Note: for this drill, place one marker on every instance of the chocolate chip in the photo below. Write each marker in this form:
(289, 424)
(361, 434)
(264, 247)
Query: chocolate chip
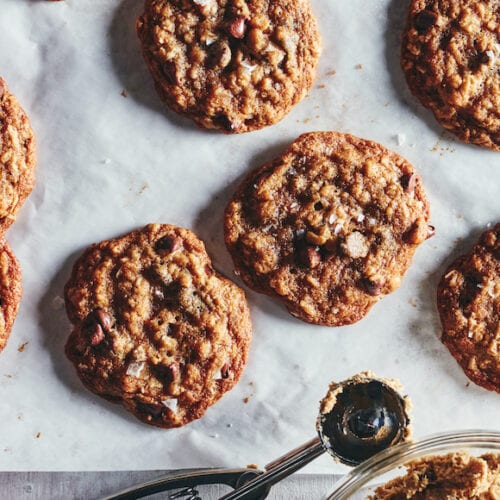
(93, 329)
(95, 334)
(372, 287)
(424, 20)
(167, 373)
(226, 123)
(224, 371)
(153, 410)
(318, 206)
(310, 257)
(220, 55)
(237, 27)
(104, 319)
(431, 231)
(168, 244)
(408, 182)
(470, 289)
(477, 59)
(169, 70)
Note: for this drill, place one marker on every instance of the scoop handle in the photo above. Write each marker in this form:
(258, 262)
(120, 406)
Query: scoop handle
(279, 469)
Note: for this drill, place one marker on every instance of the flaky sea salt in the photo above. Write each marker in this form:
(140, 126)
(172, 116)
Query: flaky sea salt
(338, 228)
(57, 302)
(210, 41)
(171, 404)
(470, 335)
(135, 369)
(360, 218)
(332, 219)
(248, 67)
(217, 375)
(202, 3)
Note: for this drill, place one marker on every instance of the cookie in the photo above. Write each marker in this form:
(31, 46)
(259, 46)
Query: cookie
(231, 65)
(17, 157)
(468, 300)
(451, 59)
(329, 227)
(10, 291)
(155, 328)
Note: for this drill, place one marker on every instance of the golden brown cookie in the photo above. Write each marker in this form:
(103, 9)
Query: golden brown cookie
(457, 476)
(155, 328)
(468, 299)
(10, 291)
(329, 227)
(17, 157)
(232, 65)
(451, 58)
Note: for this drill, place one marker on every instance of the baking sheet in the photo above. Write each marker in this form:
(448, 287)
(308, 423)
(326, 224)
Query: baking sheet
(108, 164)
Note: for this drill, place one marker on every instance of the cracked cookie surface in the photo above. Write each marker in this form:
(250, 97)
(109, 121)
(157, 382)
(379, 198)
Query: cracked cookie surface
(232, 65)
(10, 291)
(17, 157)
(451, 58)
(468, 300)
(155, 327)
(329, 227)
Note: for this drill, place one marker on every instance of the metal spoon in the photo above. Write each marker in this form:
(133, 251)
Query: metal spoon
(367, 417)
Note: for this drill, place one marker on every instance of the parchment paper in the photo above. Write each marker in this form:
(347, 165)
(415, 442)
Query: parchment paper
(108, 164)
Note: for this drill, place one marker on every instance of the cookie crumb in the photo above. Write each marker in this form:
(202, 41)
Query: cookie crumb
(123, 93)
(23, 346)
(359, 66)
(38, 435)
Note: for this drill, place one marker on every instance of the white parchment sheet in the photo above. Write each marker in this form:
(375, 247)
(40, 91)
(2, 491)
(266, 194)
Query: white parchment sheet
(108, 164)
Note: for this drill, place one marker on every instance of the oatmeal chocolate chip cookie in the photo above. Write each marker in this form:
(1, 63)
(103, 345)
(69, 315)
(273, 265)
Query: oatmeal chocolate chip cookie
(232, 65)
(17, 157)
(458, 476)
(10, 291)
(451, 58)
(329, 227)
(155, 327)
(468, 299)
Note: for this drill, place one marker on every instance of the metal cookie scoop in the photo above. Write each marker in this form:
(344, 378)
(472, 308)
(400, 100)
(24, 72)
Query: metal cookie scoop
(358, 418)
